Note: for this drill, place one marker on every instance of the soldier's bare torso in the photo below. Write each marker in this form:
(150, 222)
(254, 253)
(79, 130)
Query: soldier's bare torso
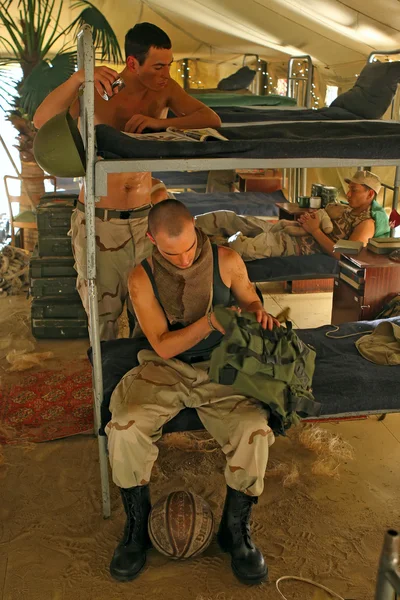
(128, 190)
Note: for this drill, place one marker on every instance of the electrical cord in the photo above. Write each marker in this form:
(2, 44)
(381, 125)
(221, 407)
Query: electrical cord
(318, 585)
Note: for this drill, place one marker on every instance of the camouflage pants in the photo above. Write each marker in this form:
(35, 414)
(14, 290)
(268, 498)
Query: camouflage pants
(157, 390)
(120, 245)
(256, 238)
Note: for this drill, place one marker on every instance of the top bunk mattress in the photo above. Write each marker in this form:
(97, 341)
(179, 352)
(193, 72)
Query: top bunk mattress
(367, 140)
(256, 114)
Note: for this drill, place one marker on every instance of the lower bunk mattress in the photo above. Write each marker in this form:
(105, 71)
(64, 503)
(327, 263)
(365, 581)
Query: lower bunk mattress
(257, 204)
(344, 382)
(195, 180)
(291, 268)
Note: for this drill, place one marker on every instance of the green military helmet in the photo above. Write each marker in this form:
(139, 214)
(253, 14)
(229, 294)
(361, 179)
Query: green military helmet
(58, 147)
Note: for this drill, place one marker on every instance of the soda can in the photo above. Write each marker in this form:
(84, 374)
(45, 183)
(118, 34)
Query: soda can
(118, 83)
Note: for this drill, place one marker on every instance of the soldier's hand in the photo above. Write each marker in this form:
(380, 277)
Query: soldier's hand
(266, 320)
(138, 123)
(217, 324)
(103, 78)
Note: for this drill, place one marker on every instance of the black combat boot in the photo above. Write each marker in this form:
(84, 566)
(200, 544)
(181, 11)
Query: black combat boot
(234, 537)
(130, 555)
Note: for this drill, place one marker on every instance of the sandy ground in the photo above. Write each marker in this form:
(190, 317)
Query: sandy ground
(55, 545)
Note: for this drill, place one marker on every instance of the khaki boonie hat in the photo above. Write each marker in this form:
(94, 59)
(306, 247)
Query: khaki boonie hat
(366, 178)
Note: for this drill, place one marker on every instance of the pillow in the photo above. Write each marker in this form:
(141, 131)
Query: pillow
(371, 95)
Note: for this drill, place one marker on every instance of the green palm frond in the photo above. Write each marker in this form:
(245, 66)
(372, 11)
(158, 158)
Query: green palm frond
(104, 39)
(30, 31)
(8, 84)
(13, 29)
(44, 78)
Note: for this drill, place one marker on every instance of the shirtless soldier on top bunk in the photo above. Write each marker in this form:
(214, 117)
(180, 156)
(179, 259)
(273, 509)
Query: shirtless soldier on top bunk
(121, 216)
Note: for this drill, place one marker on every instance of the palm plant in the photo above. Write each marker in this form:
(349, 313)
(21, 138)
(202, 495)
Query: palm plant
(46, 55)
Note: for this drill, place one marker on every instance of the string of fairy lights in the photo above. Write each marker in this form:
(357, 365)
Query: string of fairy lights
(184, 72)
(269, 84)
(299, 77)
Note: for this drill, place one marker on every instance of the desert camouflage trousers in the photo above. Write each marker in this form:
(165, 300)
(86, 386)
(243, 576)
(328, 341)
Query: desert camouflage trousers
(120, 245)
(153, 393)
(252, 237)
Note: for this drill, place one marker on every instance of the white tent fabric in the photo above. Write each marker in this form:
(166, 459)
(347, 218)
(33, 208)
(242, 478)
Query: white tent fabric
(339, 35)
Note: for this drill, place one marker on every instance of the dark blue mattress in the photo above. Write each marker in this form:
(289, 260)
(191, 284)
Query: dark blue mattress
(239, 114)
(365, 140)
(176, 179)
(344, 382)
(290, 268)
(243, 203)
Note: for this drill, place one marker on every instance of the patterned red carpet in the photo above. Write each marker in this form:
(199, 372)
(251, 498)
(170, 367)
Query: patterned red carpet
(50, 405)
(46, 406)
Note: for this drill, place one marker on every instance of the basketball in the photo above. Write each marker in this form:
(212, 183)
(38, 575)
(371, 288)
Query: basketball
(181, 525)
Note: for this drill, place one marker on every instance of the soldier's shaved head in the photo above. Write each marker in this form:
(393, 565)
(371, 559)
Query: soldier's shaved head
(170, 217)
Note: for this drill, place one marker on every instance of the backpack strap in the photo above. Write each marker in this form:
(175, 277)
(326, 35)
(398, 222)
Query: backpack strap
(149, 273)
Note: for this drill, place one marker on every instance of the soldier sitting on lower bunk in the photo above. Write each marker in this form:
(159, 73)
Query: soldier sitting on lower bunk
(173, 294)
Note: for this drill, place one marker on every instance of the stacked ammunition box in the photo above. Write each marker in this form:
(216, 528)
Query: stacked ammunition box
(57, 310)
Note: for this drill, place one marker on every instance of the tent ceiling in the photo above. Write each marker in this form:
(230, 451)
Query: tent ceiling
(337, 34)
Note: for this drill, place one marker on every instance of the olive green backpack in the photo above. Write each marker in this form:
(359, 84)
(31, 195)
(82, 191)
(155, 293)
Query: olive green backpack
(275, 367)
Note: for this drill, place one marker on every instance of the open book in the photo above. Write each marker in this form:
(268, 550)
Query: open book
(172, 134)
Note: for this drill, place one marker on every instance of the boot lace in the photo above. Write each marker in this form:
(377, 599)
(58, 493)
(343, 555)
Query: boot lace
(242, 524)
(134, 519)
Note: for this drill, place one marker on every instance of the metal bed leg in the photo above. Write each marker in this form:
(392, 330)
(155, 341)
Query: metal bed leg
(388, 581)
(98, 395)
(396, 188)
(290, 179)
(303, 179)
(298, 183)
(86, 61)
(295, 81)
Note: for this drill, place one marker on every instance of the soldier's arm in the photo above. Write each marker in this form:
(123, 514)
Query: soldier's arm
(158, 192)
(190, 112)
(363, 231)
(233, 268)
(153, 323)
(66, 95)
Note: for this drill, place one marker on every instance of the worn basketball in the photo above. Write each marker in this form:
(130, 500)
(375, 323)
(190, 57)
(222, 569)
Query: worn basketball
(181, 525)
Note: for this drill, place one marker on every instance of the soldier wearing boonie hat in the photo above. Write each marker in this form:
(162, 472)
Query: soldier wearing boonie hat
(366, 178)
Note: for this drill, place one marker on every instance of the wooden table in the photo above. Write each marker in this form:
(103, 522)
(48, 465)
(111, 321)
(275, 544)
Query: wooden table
(291, 210)
(365, 281)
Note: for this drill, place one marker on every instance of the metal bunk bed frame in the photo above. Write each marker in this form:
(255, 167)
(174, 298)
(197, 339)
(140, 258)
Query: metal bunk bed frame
(95, 185)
